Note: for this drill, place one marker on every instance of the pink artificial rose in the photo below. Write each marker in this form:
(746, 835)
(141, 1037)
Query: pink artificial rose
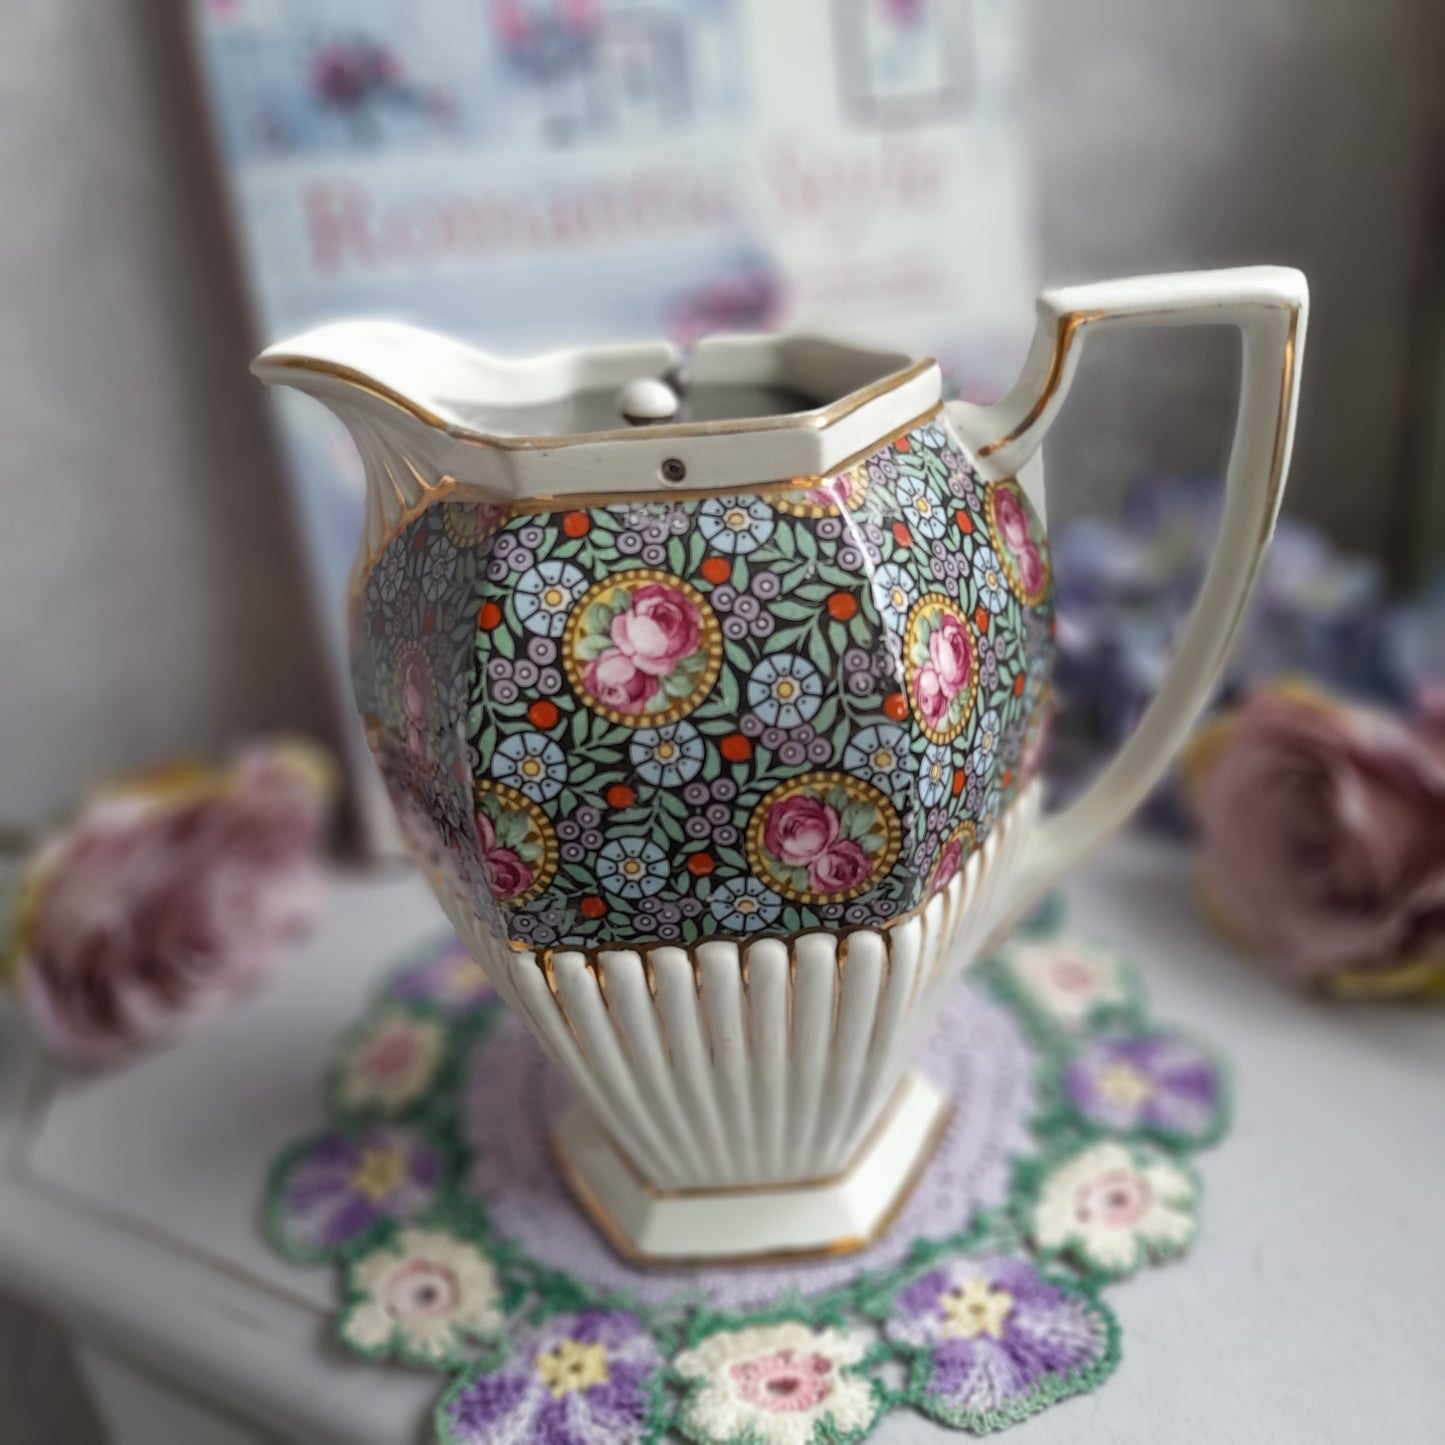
(799, 829)
(615, 680)
(932, 698)
(1013, 522)
(660, 629)
(951, 653)
(169, 896)
(845, 865)
(1324, 832)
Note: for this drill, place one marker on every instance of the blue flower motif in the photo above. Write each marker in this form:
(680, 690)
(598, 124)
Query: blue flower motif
(989, 578)
(936, 776)
(632, 867)
(544, 595)
(533, 764)
(926, 514)
(880, 754)
(745, 905)
(669, 756)
(785, 690)
(894, 592)
(736, 525)
(985, 743)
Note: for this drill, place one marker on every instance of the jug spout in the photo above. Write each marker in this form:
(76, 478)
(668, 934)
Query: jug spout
(423, 409)
(391, 386)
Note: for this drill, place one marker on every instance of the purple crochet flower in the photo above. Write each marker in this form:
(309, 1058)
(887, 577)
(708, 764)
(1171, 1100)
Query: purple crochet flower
(994, 1341)
(448, 979)
(582, 1379)
(335, 1189)
(1154, 1083)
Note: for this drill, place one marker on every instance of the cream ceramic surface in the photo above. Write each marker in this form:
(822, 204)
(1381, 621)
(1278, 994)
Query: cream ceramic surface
(754, 1043)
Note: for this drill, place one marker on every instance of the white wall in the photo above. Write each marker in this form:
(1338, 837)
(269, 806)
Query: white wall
(1181, 133)
(149, 587)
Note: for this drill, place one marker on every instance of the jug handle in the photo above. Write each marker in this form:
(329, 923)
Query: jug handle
(1269, 305)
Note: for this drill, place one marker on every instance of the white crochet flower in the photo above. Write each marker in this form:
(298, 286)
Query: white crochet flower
(782, 1384)
(421, 1296)
(392, 1064)
(1116, 1207)
(1067, 980)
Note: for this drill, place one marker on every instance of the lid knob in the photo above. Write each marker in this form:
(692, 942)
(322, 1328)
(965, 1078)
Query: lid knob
(647, 400)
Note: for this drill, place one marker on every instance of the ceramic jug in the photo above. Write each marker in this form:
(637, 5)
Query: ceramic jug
(711, 692)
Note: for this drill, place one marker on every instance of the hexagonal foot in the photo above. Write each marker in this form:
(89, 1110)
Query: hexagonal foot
(755, 1223)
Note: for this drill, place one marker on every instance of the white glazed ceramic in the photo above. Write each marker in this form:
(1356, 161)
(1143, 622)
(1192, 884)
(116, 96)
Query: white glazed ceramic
(740, 1069)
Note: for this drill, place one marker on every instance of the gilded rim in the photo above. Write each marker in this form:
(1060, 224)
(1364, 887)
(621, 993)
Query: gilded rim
(1006, 556)
(516, 802)
(857, 790)
(711, 642)
(926, 605)
(789, 498)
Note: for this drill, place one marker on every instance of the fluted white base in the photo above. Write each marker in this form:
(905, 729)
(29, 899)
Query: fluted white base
(733, 1225)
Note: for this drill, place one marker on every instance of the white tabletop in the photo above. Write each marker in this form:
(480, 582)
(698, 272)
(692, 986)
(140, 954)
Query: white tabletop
(1312, 1307)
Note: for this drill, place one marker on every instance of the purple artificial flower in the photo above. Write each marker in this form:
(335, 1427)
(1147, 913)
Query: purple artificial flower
(334, 1190)
(580, 1379)
(449, 978)
(1154, 1083)
(994, 1341)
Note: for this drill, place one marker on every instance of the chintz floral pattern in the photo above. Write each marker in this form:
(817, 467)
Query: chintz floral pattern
(611, 723)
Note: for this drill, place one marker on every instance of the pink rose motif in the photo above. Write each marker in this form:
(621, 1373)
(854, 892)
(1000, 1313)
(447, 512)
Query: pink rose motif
(947, 866)
(1013, 522)
(615, 680)
(845, 865)
(799, 830)
(1324, 832)
(784, 1382)
(932, 697)
(1036, 745)
(415, 694)
(507, 874)
(951, 653)
(1030, 566)
(170, 895)
(658, 630)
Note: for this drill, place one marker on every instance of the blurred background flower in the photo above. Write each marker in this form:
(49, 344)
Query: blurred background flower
(1324, 836)
(169, 894)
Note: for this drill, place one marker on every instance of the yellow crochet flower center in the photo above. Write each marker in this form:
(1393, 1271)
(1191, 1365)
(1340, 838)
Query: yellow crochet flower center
(1122, 1083)
(378, 1173)
(572, 1366)
(974, 1309)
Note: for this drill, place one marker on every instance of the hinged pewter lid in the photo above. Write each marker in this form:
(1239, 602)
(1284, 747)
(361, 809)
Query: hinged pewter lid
(736, 411)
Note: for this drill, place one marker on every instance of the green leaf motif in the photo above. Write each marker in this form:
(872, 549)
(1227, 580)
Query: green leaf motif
(858, 819)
